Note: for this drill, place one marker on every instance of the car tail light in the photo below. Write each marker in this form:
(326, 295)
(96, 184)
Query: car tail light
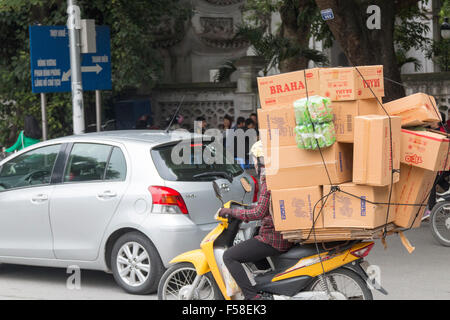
(169, 200)
(363, 252)
(256, 190)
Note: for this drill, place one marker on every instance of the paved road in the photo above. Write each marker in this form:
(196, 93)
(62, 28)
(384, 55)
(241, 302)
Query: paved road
(424, 274)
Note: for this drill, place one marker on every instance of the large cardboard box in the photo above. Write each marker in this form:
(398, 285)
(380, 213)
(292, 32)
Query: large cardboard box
(291, 167)
(372, 163)
(413, 188)
(348, 84)
(293, 208)
(282, 90)
(415, 110)
(424, 149)
(344, 113)
(344, 210)
(279, 122)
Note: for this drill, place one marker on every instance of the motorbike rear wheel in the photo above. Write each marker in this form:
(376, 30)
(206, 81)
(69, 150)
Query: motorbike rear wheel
(440, 222)
(176, 284)
(346, 282)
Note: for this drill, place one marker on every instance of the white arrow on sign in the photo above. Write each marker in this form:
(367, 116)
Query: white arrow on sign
(97, 68)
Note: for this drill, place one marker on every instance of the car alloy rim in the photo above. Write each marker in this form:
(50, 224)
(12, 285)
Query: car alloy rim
(133, 264)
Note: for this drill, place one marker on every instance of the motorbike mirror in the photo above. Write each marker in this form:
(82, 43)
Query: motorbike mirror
(217, 190)
(246, 185)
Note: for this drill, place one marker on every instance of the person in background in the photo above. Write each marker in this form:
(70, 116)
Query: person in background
(227, 122)
(249, 124)
(141, 124)
(441, 179)
(443, 127)
(27, 137)
(240, 124)
(254, 117)
(227, 131)
(203, 125)
(177, 123)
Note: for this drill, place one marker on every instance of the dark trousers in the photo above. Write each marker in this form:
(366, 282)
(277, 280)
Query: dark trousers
(251, 250)
(441, 180)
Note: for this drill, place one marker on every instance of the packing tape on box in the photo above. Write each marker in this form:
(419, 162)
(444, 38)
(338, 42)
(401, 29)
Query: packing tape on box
(403, 239)
(406, 242)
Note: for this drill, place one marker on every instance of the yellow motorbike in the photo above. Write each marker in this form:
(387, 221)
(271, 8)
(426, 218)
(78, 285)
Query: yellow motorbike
(305, 272)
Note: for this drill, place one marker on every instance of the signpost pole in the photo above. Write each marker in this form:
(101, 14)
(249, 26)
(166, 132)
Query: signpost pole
(44, 116)
(98, 109)
(74, 26)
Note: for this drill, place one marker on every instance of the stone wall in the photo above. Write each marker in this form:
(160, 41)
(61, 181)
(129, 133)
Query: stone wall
(436, 84)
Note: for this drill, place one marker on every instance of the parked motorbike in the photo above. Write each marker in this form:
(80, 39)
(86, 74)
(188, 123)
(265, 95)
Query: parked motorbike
(305, 272)
(440, 220)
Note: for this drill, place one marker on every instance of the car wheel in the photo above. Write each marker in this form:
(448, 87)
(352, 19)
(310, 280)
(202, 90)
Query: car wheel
(136, 264)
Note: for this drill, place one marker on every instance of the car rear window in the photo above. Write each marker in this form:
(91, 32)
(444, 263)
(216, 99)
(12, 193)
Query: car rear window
(202, 158)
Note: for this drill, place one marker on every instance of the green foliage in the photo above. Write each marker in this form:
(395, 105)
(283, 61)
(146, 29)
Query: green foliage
(135, 60)
(403, 59)
(439, 52)
(270, 44)
(445, 11)
(274, 48)
(409, 33)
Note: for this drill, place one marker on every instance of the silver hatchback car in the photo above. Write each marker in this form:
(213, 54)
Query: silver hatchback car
(112, 201)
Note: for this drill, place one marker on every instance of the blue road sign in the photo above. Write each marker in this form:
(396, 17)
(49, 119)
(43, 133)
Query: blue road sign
(50, 60)
(327, 14)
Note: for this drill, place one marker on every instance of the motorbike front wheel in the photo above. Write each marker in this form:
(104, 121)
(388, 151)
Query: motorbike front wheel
(346, 282)
(177, 281)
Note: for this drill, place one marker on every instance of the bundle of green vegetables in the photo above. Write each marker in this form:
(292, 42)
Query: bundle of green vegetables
(314, 120)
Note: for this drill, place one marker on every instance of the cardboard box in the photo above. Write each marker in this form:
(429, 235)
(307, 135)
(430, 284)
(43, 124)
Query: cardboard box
(291, 167)
(278, 121)
(413, 188)
(424, 149)
(282, 90)
(372, 163)
(293, 208)
(415, 110)
(348, 84)
(344, 113)
(344, 210)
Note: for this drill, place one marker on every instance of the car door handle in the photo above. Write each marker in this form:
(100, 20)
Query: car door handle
(107, 194)
(38, 198)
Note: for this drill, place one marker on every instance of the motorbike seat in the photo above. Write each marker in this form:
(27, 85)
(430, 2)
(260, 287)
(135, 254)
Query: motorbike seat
(297, 252)
(300, 251)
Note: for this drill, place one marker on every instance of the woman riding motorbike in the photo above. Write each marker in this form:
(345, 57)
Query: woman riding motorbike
(267, 243)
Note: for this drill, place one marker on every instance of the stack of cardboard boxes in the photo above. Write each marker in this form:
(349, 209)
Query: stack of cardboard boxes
(370, 146)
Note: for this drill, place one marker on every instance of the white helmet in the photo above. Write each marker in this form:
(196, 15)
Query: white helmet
(257, 149)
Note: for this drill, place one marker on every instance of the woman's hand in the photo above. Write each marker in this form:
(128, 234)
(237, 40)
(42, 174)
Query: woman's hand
(224, 212)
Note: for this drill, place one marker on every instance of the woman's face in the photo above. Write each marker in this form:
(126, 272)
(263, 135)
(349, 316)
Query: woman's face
(255, 161)
(226, 123)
